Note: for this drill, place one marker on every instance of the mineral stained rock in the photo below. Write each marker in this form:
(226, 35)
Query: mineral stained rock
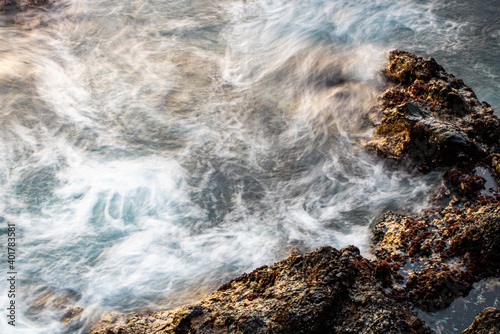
(441, 253)
(430, 118)
(326, 291)
(486, 322)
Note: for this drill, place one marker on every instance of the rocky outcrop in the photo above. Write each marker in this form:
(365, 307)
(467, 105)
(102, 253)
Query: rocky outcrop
(486, 322)
(430, 118)
(435, 257)
(10, 6)
(326, 291)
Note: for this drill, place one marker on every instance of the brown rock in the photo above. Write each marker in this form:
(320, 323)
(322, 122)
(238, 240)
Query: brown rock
(432, 118)
(486, 322)
(465, 182)
(495, 162)
(450, 249)
(326, 291)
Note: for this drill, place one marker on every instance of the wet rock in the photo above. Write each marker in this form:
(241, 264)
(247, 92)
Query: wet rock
(465, 182)
(71, 314)
(495, 163)
(326, 291)
(486, 322)
(437, 256)
(59, 303)
(430, 118)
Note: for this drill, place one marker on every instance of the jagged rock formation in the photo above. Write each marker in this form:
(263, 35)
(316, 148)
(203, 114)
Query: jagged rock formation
(326, 291)
(450, 248)
(428, 118)
(432, 118)
(486, 322)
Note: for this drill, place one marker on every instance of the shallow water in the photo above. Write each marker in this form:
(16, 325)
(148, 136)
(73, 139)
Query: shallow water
(152, 150)
(462, 311)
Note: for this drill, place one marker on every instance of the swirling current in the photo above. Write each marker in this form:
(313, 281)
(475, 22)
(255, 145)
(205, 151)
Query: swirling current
(151, 150)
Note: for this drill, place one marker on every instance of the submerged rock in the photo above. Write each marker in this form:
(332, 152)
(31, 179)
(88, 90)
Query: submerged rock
(486, 322)
(326, 291)
(61, 303)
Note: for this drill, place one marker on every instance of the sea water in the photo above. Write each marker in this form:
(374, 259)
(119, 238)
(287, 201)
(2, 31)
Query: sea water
(152, 150)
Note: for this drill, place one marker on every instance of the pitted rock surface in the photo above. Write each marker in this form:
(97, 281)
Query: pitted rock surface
(326, 291)
(432, 118)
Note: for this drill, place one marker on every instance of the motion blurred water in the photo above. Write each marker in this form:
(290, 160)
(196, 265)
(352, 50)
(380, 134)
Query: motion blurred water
(152, 150)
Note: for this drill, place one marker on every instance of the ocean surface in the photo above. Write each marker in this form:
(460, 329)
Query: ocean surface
(152, 150)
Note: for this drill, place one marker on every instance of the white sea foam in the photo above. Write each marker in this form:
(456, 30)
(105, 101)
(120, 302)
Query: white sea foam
(153, 150)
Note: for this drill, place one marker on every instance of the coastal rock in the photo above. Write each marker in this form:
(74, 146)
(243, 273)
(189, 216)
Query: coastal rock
(326, 291)
(61, 303)
(465, 182)
(430, 118)
(495, 162)
(437, 256)
(486, 322)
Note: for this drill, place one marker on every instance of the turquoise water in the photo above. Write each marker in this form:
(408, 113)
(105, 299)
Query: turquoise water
(153, 150)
